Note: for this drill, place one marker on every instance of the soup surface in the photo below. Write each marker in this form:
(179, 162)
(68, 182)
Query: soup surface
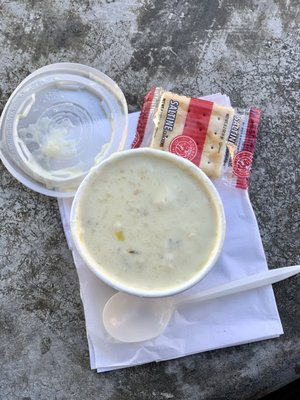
(147, 222)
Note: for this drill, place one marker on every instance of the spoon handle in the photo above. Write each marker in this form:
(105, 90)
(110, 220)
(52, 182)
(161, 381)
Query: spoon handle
(247, 283)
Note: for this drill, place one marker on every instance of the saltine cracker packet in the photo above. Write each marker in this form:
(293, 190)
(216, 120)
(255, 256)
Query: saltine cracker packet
(218, 139)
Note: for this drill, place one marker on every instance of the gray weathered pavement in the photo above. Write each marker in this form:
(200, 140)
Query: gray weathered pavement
(249, 50)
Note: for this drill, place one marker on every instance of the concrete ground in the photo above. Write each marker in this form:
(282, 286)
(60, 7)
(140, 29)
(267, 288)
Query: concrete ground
(249, 50)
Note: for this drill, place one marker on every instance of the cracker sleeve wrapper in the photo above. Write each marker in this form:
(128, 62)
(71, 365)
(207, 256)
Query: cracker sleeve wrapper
(220, 140)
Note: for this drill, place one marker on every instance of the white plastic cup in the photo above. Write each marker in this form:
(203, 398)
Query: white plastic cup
(103, 273)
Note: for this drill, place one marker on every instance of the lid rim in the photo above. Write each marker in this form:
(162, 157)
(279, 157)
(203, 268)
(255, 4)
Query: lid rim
(119, 110)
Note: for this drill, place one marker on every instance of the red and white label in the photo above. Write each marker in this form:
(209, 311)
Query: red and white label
(184, 146)
(241, 164)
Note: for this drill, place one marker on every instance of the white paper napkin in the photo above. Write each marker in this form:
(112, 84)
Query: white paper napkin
(232, 320)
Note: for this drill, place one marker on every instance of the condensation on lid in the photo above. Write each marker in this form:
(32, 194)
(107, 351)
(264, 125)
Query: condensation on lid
(59, 122)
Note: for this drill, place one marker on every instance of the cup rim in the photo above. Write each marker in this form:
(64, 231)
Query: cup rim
(183, 163)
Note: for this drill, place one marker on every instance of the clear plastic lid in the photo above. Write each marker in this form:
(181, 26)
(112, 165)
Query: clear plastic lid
(59, 122)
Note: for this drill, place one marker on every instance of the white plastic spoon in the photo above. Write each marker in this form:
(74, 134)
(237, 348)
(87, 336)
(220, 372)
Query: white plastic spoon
(134, 319)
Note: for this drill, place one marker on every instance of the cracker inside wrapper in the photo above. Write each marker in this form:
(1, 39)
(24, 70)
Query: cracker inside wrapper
(220, 140)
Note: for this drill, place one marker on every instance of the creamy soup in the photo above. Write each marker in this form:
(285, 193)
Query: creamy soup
(146, 222)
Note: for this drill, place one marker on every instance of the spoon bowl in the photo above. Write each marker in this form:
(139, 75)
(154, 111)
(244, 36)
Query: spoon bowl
(132, 319)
